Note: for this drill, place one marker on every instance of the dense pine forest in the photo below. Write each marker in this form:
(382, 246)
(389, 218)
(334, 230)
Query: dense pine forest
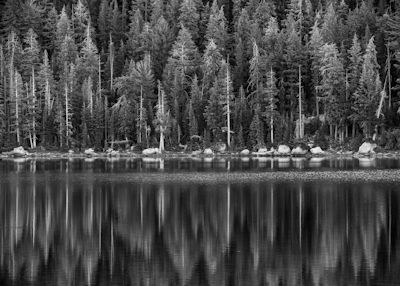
(255, 73)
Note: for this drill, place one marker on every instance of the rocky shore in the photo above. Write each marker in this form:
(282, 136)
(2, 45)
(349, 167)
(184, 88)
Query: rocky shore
(365, 150)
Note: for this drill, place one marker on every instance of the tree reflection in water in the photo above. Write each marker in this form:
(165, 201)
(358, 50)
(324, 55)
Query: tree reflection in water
(62, 231)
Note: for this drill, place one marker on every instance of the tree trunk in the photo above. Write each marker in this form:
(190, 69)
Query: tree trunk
(336, 132)
(66, 115)
(111, 51)
(34, 108)
(140, 116)
(60, 132)
(316, 103)
(272, 129)
(17, 110)
(162, 148)
(228, 113)
(272, 111)
(300, 108)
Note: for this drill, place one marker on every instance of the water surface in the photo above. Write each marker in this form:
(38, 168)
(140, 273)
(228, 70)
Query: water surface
(200, 222)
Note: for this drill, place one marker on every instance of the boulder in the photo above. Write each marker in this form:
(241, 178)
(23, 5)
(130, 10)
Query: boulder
(150, 151)
(283, 150)
(196, 152)
(245, 152)
(262, 151)
(367, 148)
(111, 152)
(89, 152)
(317, 151)
(208, 151)
(299, 151)
(19, 152)
(220, 147)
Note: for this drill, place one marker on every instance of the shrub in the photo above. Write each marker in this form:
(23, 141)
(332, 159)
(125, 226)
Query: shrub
(390, 140)
(321, 140)
(355, 143)
(313, 126)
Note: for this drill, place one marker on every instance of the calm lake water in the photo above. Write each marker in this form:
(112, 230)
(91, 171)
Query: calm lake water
(200, 222)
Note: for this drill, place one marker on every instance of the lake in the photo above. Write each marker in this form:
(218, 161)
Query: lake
(200, 221)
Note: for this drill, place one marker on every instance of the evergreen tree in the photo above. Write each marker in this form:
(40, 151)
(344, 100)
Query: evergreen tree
(315, 45)
(263, 13)
(15, 85)
(162, 40)
(393, 34)
(193, 125)
(65, 47)
(80, 22)
(211, 64)
(89, 57)
(293, 58)
(272, 44)
(163, 118)
(243, 48)
(11, 18)
(189, 17)
(237, 9)
(137, 86)
(353, 74)
(361, 17)
(256, 129)
(18, 105)
(46, 93)
(146, 40)
(302, 13)
(157, 10)
(214, 113)
(332, 85)
(104, 24)
(330, 26)
(172, 14)
(217, 28)
(197, 102)
(3, 119)
(116, 23)
(63, 27)
(220, 105)
(367, 95)
(135, 29)
(271, 100)
(32, 17)
(256, 78)
(49, 18)
(181, 67)
(241, 118)
(144, 7)
(31, 55)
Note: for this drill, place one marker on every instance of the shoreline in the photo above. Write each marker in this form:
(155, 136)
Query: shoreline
(177, 155)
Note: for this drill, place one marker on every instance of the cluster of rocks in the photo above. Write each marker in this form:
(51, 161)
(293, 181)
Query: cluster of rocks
(284, 150)
(366, 149)
(17, 152)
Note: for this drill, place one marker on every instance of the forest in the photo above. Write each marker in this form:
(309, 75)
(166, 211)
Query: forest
(250, 73)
